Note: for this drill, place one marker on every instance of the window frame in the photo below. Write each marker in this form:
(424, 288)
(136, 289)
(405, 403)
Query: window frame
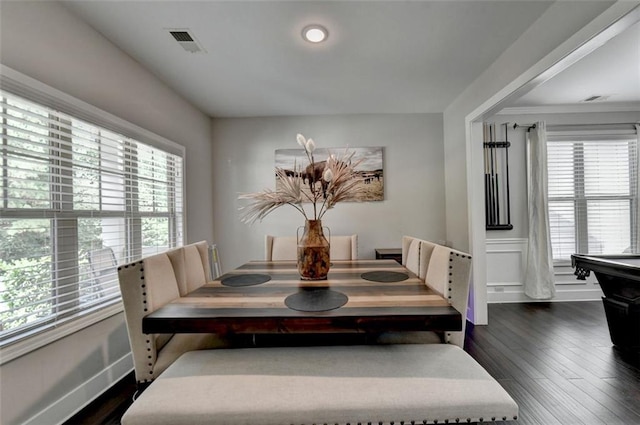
(603, 133)
(11, 81)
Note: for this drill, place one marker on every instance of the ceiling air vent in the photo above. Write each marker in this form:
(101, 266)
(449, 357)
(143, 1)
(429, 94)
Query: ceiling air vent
(186, 40)
(596, 97)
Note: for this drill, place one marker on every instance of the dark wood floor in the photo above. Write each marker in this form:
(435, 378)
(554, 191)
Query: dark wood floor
(555, 359)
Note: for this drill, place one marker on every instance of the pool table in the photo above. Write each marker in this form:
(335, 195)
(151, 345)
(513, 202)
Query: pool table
(619, 278)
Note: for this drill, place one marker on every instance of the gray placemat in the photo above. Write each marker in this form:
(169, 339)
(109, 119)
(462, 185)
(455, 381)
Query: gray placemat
(245, 279)
(384, 276)
(316, 299)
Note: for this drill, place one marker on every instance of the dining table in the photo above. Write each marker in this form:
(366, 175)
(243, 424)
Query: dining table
(358, 296)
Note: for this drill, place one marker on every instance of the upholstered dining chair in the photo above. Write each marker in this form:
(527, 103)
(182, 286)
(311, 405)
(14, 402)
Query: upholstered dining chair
(344, 247)
(191, 266)
(279, 248)
(449, 274)
(446, 271)
(149, 284)
(411, 254)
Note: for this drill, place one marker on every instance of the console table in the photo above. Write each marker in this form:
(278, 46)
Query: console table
(389, 254)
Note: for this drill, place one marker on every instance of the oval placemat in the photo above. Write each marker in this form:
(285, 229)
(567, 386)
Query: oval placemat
(245, 279)
(316, 299)
(384, 276)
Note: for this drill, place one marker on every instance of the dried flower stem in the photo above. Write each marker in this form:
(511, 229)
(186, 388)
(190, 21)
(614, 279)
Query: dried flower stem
(338, 179)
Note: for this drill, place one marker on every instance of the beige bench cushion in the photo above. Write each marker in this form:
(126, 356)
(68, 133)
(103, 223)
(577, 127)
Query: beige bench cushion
(179, 344)
(332, 384)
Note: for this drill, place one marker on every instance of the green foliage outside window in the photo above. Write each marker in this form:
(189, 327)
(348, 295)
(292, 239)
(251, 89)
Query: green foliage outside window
(28, 301)
(71, 192)
(24, 260)
(25, 266)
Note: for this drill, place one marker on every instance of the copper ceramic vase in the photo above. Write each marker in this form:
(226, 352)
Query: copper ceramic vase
(313, 252)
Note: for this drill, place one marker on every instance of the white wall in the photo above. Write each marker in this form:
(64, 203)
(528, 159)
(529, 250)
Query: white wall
(517, 160)
(561, 29)
(49, 384)
(44, 41)
(243, 161)
(507, 249)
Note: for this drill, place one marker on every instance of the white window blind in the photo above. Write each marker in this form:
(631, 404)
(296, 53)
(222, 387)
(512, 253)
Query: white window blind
(593, 192)
(77, 199)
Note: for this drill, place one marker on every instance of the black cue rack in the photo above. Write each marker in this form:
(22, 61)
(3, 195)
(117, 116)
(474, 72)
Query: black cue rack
(496, 179)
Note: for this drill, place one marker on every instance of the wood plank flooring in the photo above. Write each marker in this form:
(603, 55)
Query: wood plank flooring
(555, 359)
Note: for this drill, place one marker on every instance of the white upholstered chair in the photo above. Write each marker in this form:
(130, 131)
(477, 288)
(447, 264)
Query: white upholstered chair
(416, 254)
(411, 254)
(446, 271)
(426, 250)
(190, 266)
(449, 274)
(149, 284)
(279, 248)
(344, 247)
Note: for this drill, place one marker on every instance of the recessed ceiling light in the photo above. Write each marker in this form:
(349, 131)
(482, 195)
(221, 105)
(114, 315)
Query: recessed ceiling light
(315, 33)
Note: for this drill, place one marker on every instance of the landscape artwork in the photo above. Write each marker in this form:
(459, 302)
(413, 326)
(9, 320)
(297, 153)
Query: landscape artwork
(370, 169)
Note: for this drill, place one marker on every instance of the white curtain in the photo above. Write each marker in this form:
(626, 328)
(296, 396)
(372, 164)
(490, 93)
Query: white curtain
(538, 278)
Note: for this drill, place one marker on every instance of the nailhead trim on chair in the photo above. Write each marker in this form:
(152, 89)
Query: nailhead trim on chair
(423, 422)
(449, 294)
(451, 254)
(143, 289)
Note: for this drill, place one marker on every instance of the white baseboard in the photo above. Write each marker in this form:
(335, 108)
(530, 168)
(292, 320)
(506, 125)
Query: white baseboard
(71, 403)
(518, 296)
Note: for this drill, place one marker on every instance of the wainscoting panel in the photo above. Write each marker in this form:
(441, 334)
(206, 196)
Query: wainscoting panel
(506, 261)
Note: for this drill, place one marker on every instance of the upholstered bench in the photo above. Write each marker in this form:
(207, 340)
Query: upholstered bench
(378, 384)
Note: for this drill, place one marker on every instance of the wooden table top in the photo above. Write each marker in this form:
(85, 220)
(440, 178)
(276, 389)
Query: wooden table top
(371, 306)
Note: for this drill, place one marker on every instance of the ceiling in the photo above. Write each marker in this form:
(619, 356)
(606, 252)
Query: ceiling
(611, 72)
(380, 57)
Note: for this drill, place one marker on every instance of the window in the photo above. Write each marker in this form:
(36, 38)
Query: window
(77, 199)
(593, 192)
